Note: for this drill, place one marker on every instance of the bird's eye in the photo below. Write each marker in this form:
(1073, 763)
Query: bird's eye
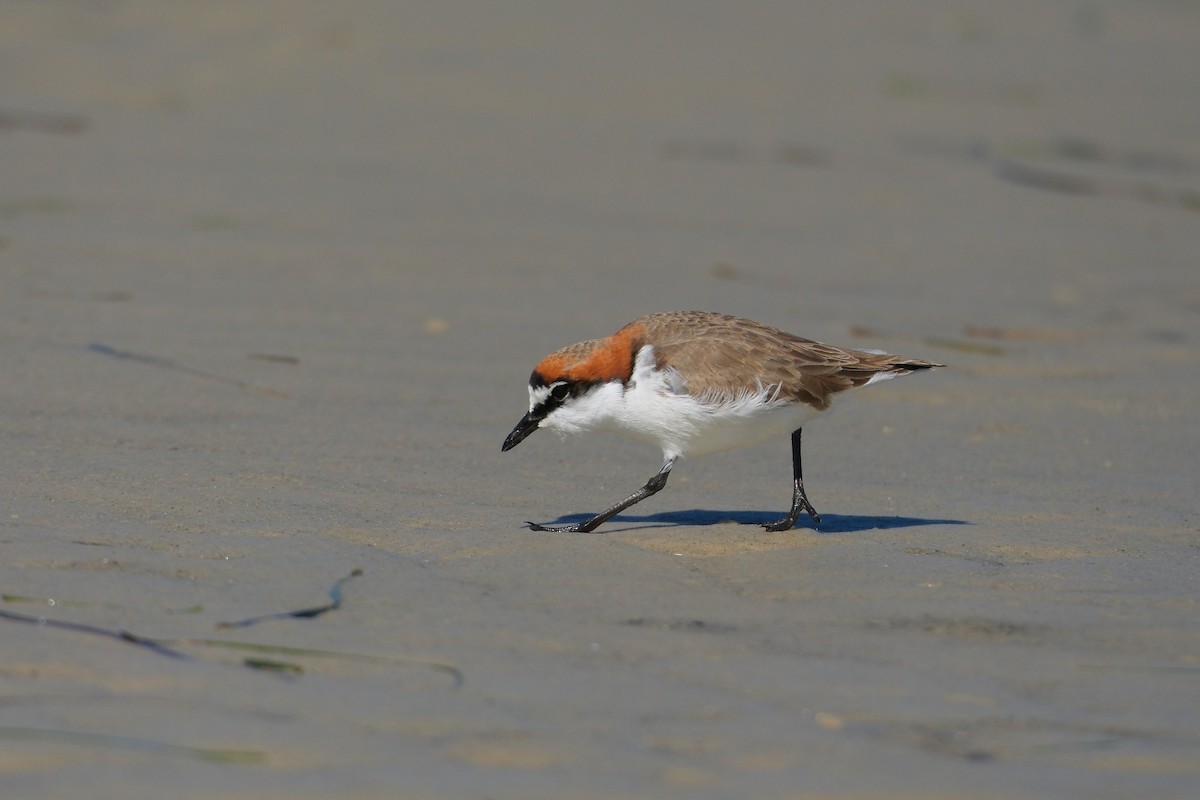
(560, 391)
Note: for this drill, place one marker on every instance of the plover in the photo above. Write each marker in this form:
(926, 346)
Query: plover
(696, 382)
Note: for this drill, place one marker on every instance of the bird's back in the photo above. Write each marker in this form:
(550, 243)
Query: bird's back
(719, 355)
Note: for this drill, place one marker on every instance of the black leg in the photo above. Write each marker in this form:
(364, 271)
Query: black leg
(652, 486)
(799, 498)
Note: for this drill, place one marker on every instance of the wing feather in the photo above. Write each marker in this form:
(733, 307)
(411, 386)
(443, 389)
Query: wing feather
(721, 355)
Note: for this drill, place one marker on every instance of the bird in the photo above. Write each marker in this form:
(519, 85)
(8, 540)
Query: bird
(694, 383)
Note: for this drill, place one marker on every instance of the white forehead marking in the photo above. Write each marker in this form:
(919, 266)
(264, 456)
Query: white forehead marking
(538, 394)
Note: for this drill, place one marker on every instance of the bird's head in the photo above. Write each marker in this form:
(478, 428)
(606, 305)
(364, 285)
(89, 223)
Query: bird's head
(545, 399)
(577, 388)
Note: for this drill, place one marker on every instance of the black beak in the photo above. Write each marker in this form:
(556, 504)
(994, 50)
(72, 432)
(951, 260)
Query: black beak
(526, 426)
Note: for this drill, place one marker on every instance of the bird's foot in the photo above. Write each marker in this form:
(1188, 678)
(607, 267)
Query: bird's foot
(577, 528)
(789, 522)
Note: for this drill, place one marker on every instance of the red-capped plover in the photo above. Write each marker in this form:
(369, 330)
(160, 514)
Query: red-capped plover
(696, 382)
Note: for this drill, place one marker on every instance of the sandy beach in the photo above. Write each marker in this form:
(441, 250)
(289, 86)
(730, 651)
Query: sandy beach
(274, 278)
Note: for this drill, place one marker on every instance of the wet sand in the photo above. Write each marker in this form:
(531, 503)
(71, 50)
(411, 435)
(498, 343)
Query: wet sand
(274, 279)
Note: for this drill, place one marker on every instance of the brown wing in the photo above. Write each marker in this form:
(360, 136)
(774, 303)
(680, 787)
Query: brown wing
(722, 354)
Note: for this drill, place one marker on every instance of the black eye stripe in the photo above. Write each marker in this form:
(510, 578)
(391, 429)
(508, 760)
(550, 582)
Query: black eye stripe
(560, 392)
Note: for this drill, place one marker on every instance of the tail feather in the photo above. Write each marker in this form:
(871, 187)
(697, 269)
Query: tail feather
(897, 366)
